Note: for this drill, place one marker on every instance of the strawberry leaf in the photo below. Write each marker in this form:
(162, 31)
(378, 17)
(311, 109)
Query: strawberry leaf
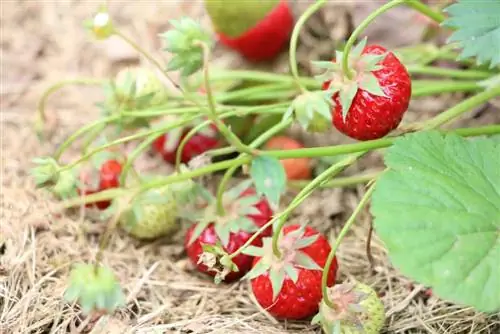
(477, 29)
(269, 177)
(438, 212)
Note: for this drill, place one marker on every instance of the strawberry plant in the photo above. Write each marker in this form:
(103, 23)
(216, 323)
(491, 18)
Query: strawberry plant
(436, 206)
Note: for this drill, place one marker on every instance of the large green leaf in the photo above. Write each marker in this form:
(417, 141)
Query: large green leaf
(437, 209)
(477, 26)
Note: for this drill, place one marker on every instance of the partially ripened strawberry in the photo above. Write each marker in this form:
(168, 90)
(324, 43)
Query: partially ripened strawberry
(295, 168)
(357, 310)
(289, 287)
(204, 140)
(245, 213)
(96, 180)
(258, 30)
(373, 102)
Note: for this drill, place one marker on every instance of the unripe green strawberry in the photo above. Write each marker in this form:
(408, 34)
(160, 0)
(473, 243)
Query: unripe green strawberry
(136, 83)
(152, 215)
(358, 310)
(258, 30)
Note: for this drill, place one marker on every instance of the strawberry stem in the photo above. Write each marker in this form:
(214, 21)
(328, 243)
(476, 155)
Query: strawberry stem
(460, 108)
(426, 10)
(361, 27)
(143, 52)
(41, 115)
(182, 144)
(327, 151)
(307, 190)
(256, 143)
(449, 72)
(294, 39)
(230, 137)
(103, 121)
(338, 240)
(338, 182)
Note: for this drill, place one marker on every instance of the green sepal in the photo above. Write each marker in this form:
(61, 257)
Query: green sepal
(65, 185)
(95, 288)
(46, 171)
(182, 41)
(370, 83)
(253, 251)
(346, 99)
(277, 278)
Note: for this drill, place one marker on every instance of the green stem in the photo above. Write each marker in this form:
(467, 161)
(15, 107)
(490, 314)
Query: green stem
(42, 117)
(182, 144)
(116, 192)
(327, 174)
(221, 151)
(256, 143)
(294, 39)
(362, 26)
(460, 108)
(143, 52)
(261, 76)
(60, 150)
(434, 88)
(339, 182)
(426, 10)
(343, 232)
(144, 145)
(230, 137)
(449, 72)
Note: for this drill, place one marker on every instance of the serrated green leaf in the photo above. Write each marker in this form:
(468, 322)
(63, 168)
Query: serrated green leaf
(437, 210)
(477, 26)
(370, 83)
(269, 177)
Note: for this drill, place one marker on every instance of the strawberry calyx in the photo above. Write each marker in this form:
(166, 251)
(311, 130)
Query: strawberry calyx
(349, 308)
(236, 206)
(216, 259)
(288, 264)
(312, 110)
(183, 42)
(362, 66)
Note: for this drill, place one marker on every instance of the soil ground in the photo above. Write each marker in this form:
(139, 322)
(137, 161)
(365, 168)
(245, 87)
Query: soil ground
(43, 42)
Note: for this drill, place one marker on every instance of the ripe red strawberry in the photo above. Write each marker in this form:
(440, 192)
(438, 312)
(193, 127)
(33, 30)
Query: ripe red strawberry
(245, 214)
(168, 143)
(290, 287)
(106, 177)
(256, 30)
(373, 103)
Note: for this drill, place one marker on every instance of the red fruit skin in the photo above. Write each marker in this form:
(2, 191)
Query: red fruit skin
(267, 38)
(198, 144)
(301, 300)
(109, 175)
(236, 240)
(295, 168)
(370, 116)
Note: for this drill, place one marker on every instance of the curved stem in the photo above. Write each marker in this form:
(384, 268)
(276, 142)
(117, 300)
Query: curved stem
(461, 108)
(449, 72)
(60, 150)
(362, 26)
(116, 192)
(426, 10)
(327, 174)
(42, 117)
(182, 144)
(143, 52)
(343, 232)
(294, 39)
(256, 143)
(338, 182)
(133, 155)
(230, 137)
